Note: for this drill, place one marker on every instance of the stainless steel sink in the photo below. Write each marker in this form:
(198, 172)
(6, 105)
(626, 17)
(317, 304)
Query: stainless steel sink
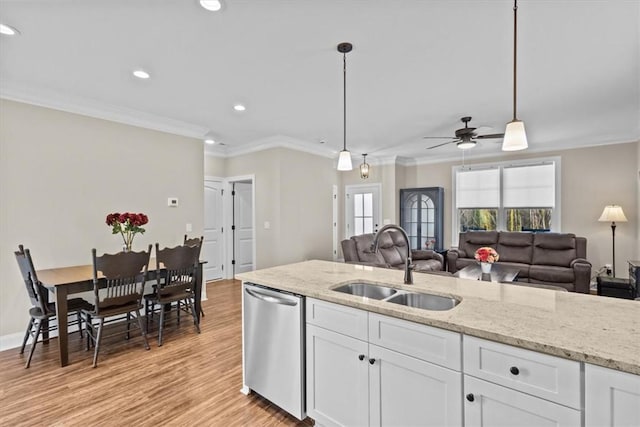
(424, 301)
(367, 290)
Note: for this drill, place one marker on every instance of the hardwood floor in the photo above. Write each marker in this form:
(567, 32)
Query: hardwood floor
(191, 380)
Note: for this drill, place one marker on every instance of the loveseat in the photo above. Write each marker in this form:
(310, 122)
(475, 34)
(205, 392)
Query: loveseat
(392, 253)
(556, 259)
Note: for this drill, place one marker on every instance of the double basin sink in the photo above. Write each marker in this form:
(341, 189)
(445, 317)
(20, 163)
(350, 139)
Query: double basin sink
(397, 296)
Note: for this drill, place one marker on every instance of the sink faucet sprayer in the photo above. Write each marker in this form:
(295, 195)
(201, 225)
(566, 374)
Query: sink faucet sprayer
(408, 277)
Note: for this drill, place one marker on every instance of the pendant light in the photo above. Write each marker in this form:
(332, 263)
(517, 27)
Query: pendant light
(515, 137)
(364, 168)
(344, 161)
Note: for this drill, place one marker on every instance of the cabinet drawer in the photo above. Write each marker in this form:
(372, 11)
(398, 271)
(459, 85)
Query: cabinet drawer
(338, 318)
(542, 375)
(423, 342)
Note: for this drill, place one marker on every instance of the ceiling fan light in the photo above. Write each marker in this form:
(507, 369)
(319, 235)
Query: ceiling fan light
(515, 138)
(465, 145)
(344, 161)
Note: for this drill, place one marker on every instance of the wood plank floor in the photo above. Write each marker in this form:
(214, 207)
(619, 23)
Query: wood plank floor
(191, 380)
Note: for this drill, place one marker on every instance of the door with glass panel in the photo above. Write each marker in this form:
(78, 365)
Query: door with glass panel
(362, 208)
(422, 216)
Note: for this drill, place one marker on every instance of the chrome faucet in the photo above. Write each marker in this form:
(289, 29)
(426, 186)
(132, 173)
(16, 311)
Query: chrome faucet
(408, 266)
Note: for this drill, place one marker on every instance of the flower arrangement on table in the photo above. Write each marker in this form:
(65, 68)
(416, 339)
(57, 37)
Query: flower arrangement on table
(487, 254)
(128, 225)
(430, 244)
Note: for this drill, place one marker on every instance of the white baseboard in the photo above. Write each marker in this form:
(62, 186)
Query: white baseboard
(9, 341)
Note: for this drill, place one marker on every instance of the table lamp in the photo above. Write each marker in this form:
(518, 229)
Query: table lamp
(613, 213)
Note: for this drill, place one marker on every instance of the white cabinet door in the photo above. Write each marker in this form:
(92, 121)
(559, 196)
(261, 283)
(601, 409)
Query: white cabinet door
(337, 378)
(405, 391)
(488, 404)
(612, 398)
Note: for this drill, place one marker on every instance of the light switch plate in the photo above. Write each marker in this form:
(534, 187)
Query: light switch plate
(172, 202)
(189, 228)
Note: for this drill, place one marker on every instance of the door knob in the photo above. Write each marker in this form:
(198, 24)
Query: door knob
(514, 370)
(470, 397)
(361, 356)
(372, 361)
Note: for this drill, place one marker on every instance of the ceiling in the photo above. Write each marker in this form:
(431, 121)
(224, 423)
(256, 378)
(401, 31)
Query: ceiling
(417, 66)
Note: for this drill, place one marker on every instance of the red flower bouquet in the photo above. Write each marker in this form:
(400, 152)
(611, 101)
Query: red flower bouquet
(487, 254)
(127, 224)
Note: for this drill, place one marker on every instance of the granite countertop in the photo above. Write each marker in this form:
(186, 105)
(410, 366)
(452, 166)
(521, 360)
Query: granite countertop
(599, 330)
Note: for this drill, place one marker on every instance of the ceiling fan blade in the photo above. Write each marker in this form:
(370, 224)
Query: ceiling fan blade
(440, 145)
(439, 137)
(493, 135)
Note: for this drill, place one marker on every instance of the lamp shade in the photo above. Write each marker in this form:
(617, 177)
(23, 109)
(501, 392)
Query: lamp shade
(344, 161)
(515, 137)
(612, 213)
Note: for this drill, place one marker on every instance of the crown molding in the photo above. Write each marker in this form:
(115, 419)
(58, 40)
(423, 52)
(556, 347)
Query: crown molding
(100, 110)
(275, 141)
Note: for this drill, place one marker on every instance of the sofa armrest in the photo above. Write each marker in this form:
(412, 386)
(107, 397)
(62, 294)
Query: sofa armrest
(349, 251)
(582, 272)
(418, 254)
(452, 258)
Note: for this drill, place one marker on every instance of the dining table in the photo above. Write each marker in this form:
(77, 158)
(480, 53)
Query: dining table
(65, 281)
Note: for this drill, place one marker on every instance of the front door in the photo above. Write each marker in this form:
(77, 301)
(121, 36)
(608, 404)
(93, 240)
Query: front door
(363, 209)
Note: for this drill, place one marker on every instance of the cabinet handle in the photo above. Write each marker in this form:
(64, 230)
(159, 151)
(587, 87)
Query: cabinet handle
(470, 397)
(514, 370)
(361, 356)
(372, 361)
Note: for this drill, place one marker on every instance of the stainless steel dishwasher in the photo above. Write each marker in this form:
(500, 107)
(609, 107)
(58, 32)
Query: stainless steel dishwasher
(273, 340)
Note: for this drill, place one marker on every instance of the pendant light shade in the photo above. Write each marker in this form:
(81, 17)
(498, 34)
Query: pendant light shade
(344, 161)
(364, 168)
(515, 137)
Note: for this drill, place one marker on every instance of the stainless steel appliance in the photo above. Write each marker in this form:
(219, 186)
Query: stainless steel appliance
(273, 340)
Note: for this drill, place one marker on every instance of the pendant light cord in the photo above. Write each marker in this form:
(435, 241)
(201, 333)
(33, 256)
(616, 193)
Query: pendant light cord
(344, 99)
(515, 54)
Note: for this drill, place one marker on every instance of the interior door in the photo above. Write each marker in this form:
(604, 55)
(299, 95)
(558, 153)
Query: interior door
(363, 209)
(213, 242)
(243, 227)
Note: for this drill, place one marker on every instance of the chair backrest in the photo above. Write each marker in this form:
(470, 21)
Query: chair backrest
(37, 292)
(120, 277)
(179, 270)
(194, 241)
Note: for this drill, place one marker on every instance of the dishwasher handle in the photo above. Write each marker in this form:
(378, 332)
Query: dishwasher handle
(270, 298)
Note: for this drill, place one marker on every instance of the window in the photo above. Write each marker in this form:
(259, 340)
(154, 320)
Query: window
(514, 196)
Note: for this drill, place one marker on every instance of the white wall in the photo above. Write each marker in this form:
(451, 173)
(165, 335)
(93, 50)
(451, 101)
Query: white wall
(62, 173)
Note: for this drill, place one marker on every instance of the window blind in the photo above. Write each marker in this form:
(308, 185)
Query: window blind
(478, 188)
(531, 186)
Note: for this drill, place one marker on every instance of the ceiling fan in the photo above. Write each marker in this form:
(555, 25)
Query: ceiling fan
(465, 138)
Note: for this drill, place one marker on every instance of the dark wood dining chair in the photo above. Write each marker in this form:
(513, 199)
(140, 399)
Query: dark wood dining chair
(42, 311)
(195, 241)
(176, 270)
(118, 289)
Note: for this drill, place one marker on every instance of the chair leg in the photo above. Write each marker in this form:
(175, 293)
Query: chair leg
(79, 318)
(142, 330)
(160, 327)
(193, 313)
(201, 312)
(27, 334)
(98, 338)
(35, 341)
(179, 310)
(127, 336)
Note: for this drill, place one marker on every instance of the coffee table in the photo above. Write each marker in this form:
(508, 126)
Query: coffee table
(499, 273)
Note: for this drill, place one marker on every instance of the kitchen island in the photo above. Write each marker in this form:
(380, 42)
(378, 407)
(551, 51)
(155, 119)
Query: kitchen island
(593, 331)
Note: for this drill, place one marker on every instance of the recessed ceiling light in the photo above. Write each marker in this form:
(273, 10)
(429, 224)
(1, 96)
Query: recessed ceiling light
(212, 5)
(8, 30)
(209, 140)
(239, 107)
(141, 74)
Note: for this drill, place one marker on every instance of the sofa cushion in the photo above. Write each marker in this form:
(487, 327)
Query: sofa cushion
(555, 249)
(523, 268)
(427, 265)
(515, 247)
(471, 241)
(363, 247)
(550, 274)
(389, 251)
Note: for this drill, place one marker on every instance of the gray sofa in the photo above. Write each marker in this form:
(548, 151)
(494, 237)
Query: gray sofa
(392, 253)
(555, 259)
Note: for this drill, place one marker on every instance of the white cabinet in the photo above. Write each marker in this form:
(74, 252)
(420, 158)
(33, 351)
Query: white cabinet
(612, 398)
(488, 404)
(510, 386)
(405, 391)
(337, 378)
(353, 382)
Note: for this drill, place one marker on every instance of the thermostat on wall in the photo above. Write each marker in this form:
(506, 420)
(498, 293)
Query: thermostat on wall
(172, 202)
